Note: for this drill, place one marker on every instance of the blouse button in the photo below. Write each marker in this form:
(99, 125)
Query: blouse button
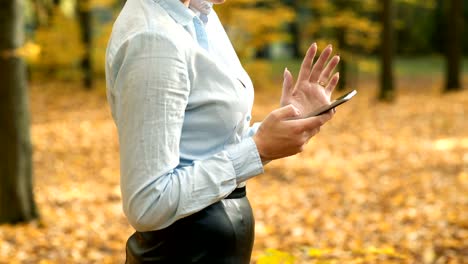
(248, 118)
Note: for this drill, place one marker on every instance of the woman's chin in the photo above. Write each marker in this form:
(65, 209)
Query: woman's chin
(217, 2)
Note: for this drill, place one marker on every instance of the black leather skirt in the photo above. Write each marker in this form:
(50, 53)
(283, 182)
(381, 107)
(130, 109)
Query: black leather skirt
(221, 233)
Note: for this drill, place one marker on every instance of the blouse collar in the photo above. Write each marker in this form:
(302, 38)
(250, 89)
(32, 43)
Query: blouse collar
(178, 11)
(202, 6)
(183, 15)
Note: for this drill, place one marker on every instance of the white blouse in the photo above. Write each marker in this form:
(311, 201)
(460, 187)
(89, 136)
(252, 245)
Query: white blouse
(182, 113)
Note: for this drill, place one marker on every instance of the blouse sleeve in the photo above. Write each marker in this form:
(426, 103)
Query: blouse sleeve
(149, 97)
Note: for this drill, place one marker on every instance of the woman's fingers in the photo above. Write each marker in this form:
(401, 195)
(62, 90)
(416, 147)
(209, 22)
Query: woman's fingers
(327, 72)
(312, 133)
(320, 71)
(332, 84)
(314, 122)
(288, 83)
(280, 136)
(320, 64)
(307, 62)
(309, 134)
(286, 112)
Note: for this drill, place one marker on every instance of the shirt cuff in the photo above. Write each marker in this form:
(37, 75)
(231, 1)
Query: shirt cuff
(253, 129)
(245, 159)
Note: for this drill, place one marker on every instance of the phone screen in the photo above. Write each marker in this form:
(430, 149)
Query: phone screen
(340, 100)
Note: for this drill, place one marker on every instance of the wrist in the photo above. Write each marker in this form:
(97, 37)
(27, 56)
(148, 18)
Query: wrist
(259, 145)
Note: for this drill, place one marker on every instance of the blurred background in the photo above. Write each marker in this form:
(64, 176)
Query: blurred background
(386, 181)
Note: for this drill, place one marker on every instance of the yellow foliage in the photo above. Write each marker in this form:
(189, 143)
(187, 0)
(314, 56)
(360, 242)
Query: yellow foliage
(423, 3)
(451, 143)
(59, 42)
(90, 4)
(359, 30)
(316, 252)
(320, 4)
(29, 51)
(260, 73)
(273, 256)
(99, 48)
(389, 187)
(101, 3)
(251, 27)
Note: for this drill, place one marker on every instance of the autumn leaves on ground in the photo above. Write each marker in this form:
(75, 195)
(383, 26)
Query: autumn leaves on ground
(381, 183)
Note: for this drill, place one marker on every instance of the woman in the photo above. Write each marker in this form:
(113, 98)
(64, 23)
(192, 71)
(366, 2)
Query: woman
(181, 102)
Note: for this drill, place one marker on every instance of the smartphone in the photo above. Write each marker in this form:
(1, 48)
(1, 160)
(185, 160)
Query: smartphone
(340, 100)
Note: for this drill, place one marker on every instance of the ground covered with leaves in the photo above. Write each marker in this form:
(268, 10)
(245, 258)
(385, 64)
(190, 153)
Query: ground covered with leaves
(381, 183)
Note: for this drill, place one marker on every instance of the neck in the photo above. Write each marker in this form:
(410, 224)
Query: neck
(185, 2)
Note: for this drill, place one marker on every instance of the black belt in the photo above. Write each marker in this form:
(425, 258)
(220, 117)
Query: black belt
(237, 193)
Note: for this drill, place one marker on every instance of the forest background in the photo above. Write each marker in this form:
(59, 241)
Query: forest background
(385, 182)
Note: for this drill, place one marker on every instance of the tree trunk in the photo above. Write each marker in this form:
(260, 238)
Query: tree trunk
(387, 91)
(16, 194)
(52, 8)
(342, 6)
(122, 2)
(293, 29)
(296, 39)
(454, 46)
(84, 14)
(343, 66)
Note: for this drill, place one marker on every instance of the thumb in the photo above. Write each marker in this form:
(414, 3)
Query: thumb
(287, 112)
(315, 122)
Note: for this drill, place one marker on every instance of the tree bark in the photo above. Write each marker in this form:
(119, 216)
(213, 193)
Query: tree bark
(342, 5)
(84, 14)
(294, 29)
(387, 90)
(343, 66)
(122, 2)
(16, 194)
(454, 46)
(296, 39)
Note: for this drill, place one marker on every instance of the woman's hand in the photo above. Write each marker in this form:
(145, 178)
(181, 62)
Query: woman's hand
(314, 85)
(281, 135)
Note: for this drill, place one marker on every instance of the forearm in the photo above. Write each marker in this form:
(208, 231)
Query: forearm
(153, 199)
